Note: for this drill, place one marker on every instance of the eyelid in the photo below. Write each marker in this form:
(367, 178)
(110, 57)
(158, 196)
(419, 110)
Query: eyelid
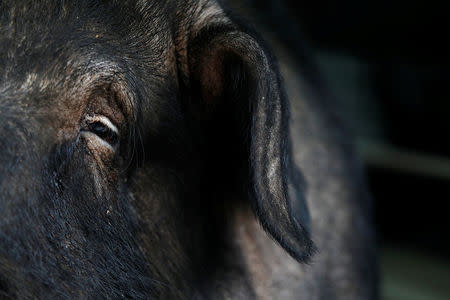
(104, 120)
(97, 141)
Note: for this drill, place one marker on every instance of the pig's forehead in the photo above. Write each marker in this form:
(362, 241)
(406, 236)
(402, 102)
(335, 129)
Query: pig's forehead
(30, 17)
(48, 45)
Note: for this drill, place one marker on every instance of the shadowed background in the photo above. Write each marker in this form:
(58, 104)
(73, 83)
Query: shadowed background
(387, 64)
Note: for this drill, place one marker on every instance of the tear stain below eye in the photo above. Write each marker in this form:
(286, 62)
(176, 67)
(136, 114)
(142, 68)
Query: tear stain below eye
(101, 161)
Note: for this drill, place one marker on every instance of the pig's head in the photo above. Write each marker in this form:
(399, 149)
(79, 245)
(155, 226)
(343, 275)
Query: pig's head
(129, 132)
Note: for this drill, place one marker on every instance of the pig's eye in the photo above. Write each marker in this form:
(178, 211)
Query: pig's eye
(104, 129)
(104, 132)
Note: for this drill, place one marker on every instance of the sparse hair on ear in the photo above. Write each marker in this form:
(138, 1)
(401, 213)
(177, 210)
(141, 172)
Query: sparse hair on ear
(225, 62)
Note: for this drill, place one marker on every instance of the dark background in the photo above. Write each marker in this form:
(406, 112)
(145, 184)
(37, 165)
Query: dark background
(396, 53)
(387, 64)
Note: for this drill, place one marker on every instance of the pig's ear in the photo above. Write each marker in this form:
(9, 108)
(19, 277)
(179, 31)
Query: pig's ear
(227, 68)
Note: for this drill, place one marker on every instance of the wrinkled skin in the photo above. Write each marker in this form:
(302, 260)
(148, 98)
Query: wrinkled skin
(138, 140)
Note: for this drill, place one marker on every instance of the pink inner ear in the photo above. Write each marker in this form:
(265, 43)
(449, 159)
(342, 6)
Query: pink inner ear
(212, 79)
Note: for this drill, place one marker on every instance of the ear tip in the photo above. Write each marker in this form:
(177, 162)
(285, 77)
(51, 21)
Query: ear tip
(302, 248)
(294, 239)
(302, 253)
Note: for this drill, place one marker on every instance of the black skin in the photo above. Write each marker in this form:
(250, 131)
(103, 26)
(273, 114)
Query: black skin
(144, 212)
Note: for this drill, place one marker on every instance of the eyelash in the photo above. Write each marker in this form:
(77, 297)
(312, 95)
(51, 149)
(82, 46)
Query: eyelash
(104, 132)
